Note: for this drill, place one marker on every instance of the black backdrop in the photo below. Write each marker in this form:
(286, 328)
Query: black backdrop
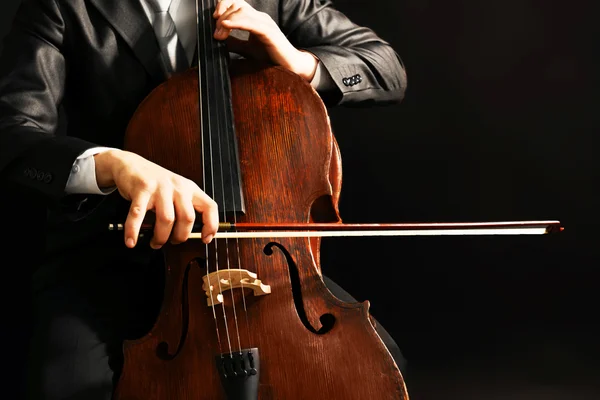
(499, 123)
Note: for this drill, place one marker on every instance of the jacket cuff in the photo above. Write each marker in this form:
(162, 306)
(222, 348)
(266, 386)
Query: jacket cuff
(45, 167)
(347, 78)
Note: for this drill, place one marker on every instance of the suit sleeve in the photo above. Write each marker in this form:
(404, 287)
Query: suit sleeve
(364, 68)
(33, 158)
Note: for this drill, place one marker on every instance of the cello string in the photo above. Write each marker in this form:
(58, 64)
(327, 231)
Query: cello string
(202, 146)
(230, 126)
(204, 164)
(209, 40)
(229, 119)
(219, 70)
(207, 117)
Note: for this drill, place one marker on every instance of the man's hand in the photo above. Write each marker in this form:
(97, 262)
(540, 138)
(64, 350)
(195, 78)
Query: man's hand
(266, 42)
(173, 198)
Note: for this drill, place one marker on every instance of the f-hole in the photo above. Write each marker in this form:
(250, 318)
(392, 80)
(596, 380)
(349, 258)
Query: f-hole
(327, 320)
(162, 349)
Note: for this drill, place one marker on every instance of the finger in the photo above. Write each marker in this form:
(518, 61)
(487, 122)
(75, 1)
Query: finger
(244, 21)
(210, 214)
(221, 31)
(185, 215)
(165, 218)
(135, 218)
(221, 7)
(224, 5)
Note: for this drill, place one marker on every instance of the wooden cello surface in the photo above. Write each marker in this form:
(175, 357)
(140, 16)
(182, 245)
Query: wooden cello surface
(268, 328)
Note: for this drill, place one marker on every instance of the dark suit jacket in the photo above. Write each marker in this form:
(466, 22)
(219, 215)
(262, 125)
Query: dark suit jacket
(98, 59)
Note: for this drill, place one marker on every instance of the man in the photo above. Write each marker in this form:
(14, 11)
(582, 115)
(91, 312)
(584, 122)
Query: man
(96, 60)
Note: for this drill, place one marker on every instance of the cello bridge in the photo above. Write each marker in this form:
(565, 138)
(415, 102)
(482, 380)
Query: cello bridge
(215, 283)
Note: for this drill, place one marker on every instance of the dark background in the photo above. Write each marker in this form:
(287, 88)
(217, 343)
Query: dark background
(499, 123)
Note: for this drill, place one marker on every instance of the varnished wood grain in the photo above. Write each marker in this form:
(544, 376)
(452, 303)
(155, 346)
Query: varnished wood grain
(291, 171)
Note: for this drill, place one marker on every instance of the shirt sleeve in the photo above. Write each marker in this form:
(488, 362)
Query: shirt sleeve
(322, 81)
(82, 179)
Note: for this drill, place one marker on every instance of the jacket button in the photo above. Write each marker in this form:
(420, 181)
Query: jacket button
(32, 173)
(40, 175)
(48, 178)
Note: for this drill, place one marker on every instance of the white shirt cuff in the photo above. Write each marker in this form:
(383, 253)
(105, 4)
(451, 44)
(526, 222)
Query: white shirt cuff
(322, 81)
(82, 179)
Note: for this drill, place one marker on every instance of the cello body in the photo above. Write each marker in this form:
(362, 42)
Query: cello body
(293, 339)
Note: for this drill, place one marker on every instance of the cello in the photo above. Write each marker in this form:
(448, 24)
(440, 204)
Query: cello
(248, 316)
